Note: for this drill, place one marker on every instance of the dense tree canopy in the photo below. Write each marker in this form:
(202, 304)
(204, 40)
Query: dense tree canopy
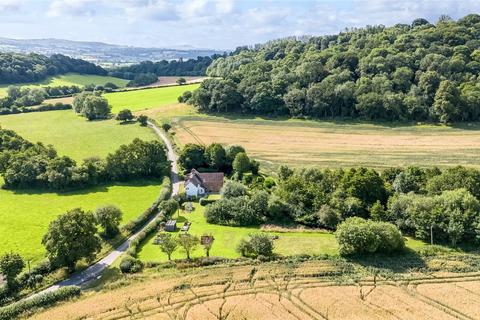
(419, 72)
(19, 67)
(190, 67)
(27, 165)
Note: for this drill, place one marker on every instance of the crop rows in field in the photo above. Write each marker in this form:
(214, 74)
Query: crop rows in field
(333, 145)
(308, 291)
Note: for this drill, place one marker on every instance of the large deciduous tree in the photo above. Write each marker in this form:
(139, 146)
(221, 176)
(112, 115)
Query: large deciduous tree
(71, 237)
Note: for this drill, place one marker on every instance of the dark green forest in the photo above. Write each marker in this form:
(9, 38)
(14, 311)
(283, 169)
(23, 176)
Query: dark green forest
(18, 67)
(147, 72)
(421, 72)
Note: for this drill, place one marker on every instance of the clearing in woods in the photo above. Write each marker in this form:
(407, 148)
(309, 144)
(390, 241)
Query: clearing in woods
(299, 289)
(68, 79)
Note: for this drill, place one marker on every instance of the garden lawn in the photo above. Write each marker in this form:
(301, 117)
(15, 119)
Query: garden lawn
(73, 135)
(142, 99)
(25, 214)
(227, 239)
(68, 79)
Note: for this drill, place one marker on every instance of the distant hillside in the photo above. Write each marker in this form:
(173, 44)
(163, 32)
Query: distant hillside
(421, 71)
(19, 67)
(101, 53)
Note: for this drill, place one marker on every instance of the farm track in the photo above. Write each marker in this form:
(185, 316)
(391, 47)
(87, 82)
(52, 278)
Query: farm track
(285, 294)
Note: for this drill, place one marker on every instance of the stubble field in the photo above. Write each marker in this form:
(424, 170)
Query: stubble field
(336, 144)
(307, 290)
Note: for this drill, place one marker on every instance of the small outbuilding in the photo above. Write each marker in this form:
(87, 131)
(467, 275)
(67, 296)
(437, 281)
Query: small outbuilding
(171, 226)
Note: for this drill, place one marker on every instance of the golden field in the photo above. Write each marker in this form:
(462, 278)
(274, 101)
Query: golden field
(308, 290)
(335, 144)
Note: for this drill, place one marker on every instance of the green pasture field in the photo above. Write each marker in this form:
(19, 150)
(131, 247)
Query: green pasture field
(227, 239)
(142, 99)
(25, 214)
(68, 79)
(73, 135)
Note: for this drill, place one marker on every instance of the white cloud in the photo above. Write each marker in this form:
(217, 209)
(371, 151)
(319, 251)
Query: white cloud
(212, 23)
(72, 8)
(10, 5)
(224, 6)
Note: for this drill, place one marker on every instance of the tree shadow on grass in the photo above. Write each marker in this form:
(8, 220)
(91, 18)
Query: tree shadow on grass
(127, 122)
(398, 262)
(93, 189)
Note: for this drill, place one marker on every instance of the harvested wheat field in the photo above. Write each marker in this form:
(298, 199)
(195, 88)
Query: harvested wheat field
(334, 144)
(268, 291)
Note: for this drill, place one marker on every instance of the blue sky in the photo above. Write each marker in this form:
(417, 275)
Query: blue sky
(220, 24)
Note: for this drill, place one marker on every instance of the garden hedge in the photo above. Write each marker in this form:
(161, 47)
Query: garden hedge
(16, 309)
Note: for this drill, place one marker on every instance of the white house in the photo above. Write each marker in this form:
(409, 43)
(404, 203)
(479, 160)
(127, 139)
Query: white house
(199, 184)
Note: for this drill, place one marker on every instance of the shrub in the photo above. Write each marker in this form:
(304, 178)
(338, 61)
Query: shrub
(130, 265)
(124, 115)
(204, 201)
(328, 217)
(233, 189)
(142, 119)
(166, 127)
(41, 301)
(169, 207)
(255, 246)
(185, 97)
(11, 264)
(109, 217)
(359, 236)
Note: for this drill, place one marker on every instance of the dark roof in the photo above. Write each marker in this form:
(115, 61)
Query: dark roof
(212, 181)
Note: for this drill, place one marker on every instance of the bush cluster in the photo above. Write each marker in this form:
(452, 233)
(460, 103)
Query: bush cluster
(239, 211)
(40, 108)
(359, 236)
(130, 264)
(256, 246)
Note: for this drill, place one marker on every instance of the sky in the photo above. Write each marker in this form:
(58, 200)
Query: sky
(215, 24)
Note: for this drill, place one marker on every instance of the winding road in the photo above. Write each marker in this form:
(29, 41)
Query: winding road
(95, 270)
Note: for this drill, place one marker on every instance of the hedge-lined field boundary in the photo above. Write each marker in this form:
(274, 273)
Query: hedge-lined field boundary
(16, 309)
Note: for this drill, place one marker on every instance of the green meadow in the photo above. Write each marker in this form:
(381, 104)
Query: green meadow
(68, 79)
(73, 135)
(137, 100)
(25, 214)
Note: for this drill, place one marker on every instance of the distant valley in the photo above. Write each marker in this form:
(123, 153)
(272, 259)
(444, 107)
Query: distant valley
(101, 53)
